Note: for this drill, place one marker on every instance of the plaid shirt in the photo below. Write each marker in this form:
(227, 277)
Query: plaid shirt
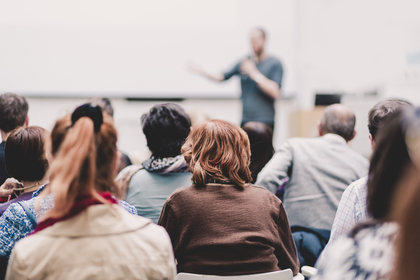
(351, 210)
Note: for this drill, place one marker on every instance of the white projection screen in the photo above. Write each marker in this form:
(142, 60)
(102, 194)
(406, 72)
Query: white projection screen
(132, 48)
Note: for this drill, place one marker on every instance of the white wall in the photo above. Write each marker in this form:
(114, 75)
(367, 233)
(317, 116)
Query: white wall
(135, 48)
(357, 47)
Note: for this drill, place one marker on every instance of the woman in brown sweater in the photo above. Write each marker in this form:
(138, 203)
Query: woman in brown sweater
(222, 224)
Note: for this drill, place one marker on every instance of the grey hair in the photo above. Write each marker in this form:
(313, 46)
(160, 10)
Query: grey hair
(339, 120)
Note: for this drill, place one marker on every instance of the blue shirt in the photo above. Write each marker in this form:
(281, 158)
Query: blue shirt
(15, 224)
(257, 106)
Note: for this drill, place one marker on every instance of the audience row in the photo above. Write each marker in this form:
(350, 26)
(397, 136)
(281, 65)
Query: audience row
(76, 208)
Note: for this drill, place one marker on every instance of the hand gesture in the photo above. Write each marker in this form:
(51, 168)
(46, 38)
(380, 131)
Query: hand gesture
(194, 68)
(248, 67)
(8, 187)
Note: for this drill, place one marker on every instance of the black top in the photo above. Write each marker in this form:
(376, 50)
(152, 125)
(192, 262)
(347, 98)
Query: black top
(256, 105)
(3, 173)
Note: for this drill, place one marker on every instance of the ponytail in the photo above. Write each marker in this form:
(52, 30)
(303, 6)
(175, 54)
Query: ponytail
(74, 171)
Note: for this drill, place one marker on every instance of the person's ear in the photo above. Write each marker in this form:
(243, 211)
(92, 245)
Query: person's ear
(26, 121)
(372, 142)
(352, 136)
(320, 132)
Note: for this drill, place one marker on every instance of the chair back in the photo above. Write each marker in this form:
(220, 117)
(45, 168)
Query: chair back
(285, 274)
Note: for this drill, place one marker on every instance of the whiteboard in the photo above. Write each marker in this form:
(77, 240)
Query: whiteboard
(132, 48)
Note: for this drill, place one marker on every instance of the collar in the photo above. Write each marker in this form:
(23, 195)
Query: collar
(334, 137)
(38, 191)
(166, 165)
(101, 219)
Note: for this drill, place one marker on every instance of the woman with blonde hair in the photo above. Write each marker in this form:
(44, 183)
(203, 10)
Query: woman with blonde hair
(222, 224)
(86, 234)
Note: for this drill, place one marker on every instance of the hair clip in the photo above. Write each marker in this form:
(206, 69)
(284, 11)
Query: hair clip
(91, 111)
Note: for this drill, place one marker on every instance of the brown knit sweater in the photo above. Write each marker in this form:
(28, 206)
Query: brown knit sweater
(226, 230)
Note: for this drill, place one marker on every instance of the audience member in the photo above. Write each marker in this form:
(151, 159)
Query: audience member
(20, 219)
(222, 224)
(368, 251)
(74, 238)
(319, 170)
(261, 140)
(26, 158)
(147, 186)
(13, 114)
(106, 106)
(352, 207)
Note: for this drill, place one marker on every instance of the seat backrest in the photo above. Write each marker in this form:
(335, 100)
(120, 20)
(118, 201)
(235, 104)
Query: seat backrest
(285, 274)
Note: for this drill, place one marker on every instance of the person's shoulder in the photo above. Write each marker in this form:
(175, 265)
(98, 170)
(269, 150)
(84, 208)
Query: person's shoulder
(302, 141)
(359, 185)
(356, 186)
(180, 193)
(14, 210)
(274, 60)
(127, 206)
(16, 215)
(261, 192)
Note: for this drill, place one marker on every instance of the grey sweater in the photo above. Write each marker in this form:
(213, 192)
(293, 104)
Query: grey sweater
(319, 170)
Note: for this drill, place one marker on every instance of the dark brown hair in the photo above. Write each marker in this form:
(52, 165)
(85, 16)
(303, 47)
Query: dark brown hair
(218, 151)
(379, 112)
(261, 141)
(84, 162)
(13, 111)
(388, 164)
(406, 206)
(406, 211)
(24, 153)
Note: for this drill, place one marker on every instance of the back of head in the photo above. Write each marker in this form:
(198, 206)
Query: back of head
(218, 151)
(166, 126)
(24, 154)
(388, 164)
(13, 111)
(104, 103)
(338, 119)
(84, 147)
(380, 111)
(260, 137)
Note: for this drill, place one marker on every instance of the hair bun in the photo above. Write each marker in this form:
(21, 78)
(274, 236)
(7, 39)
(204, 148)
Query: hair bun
(93, 112)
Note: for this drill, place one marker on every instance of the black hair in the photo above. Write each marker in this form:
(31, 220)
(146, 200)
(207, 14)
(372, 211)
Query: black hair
(166, 127)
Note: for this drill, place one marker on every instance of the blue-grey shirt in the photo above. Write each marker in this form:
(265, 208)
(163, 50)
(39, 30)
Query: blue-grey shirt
(257, 105)
(148, 191)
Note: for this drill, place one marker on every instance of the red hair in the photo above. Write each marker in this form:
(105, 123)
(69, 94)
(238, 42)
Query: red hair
(218, 151)
(83, 165)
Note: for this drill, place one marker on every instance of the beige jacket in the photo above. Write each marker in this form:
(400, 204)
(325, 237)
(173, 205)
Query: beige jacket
(103, 242)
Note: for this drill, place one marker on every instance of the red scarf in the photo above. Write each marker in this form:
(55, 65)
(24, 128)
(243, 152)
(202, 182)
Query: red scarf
(81, 203)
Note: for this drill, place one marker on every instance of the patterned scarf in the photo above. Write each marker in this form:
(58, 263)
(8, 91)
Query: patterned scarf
(166, 165)
(81, 203)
